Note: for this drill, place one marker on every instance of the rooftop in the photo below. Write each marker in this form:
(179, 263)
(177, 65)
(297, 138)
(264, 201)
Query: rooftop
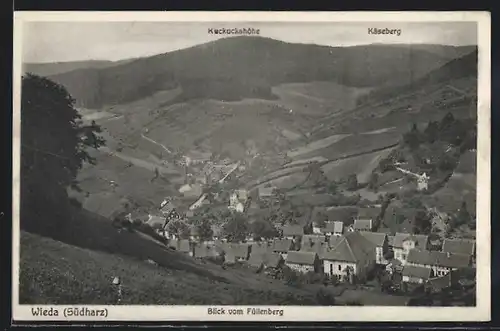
(435, 258)
(301, 257)
(377, 238)
(421, 241)
(352, 247)
(293, 230)
(282, 245)
(459, 246)
(418, 272)
(363, 224)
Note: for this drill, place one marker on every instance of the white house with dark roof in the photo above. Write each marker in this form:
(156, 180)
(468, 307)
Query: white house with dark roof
(459, 246)
(404, 242)
(381, 243)
(415, 274)
(334, 228)
(303, 261)
(352, 256)
(440, 263)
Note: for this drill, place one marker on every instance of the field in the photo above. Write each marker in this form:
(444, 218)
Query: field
(317, 98)
(355, 144)
(362, 166)
(55, 272)
(316, 145)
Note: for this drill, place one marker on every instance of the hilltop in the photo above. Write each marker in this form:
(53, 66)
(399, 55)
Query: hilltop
(245, 67)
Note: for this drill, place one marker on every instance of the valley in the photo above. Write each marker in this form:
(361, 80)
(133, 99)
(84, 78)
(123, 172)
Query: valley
(271, 141)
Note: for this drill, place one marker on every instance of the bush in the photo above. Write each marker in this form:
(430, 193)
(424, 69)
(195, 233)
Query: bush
(314, 278)
(324, 298)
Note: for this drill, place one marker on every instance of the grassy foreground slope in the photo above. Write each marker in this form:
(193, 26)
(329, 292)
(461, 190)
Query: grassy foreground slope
(80, 266)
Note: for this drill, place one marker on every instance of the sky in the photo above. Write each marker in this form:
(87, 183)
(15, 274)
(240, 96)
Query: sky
(80, 41)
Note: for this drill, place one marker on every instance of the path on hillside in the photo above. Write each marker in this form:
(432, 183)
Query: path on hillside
(456, 89)
(139, 162)
(156, 143)
(322, 163)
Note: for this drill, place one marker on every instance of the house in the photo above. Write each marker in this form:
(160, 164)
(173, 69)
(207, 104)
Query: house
(237, 200)
(204, 251)
(282, 246)
(459, 246)
(352, 256)
(363, 225)
(267, 260)
(197, 157)
(303, 261)
(334, 228)
(381, 243)
(261, 247)
(266, 192)
(415, 274)
(293, 231)
(184, 246)
(404, 242)
(439, 262)
(331, 215)
(237, 252)
(366, 218)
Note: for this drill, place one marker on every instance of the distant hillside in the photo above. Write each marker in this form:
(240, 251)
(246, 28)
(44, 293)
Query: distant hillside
(465, 66)
(239, 67)
(49, 69)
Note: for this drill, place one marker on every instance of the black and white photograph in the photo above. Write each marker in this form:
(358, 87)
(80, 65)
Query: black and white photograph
(244, 166)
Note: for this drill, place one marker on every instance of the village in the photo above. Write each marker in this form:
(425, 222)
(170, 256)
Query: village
(335, 245)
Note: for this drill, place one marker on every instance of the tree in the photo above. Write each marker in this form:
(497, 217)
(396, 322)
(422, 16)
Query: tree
(431, 132)
(325, 298)
(447, 162)
(463, 216)
(321, 221)
(317, 176)
(54, 147)
(179, 228)
(446, 122)
(412, 138)
(205, 230)
(352, 182)
(263, 229)
(236, 228)
(373, 183)
(422, 222)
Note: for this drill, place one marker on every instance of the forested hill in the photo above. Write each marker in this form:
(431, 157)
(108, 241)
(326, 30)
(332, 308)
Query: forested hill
(239, 67)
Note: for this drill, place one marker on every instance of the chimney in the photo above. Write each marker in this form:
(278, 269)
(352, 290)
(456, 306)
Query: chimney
(448, 254)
